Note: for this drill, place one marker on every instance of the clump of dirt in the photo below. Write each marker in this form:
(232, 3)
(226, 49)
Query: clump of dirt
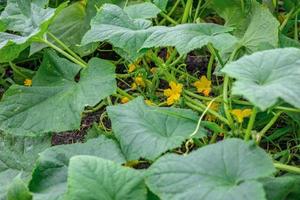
(196, 64)
(74, 136)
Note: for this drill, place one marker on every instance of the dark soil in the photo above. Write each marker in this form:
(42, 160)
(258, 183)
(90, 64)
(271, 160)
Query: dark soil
(69, 137)
(196, 64)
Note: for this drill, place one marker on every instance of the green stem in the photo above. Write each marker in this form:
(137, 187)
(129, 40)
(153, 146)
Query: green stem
(64, 53)
(250, 124)
(287, 168)
(268, 126)
(216, 54)
(203, 107)
(125, 94)
(183, 73)
(226, 100)
(289, 15)
(167, 17)
(188, 7)
(296, 33)
(58, 41)
(197, 10)
(171, 12)
(209, 67)
(16, 70)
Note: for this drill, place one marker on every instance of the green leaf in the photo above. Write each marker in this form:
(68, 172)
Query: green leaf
(71, 24)
(142, 11)
(234, 13)
(278, 188)
(266, 76)
(55, 100)
(161, 4)
(28, 21)
(262, 32)
(226, 170)
(11, 46)
(18, 190)
(49, 178)
(188, 37)
(253, 23)
(18, 154)
(285, 41)
(96, 178)
(146, 131)
(113, 25)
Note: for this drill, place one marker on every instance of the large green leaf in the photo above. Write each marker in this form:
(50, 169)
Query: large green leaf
(262, 32)
(55, 100)
(188, 37)
(227, 170)
(95, 178)
(252, 22)
(113, 25)
(17, 155)
(145, 10)
(266, 76)
(28, 21)
(49, 178)
(146, 131)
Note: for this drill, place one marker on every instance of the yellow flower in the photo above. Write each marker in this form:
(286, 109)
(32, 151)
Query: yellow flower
(28, 82)
(124, 100)
(131, 67)
(174, 93)
(149, 102)
(139, 81)
(133, 86)
(153, 70)
(241, 114)
(203, 85)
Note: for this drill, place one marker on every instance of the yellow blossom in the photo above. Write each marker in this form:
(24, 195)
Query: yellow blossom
(28, 82)
(241, 114)
(173, 93)
(131, 67)
(149, 102)
(124, 100)
(139, 81)
(203, 85)
(153, 70)
(133, 86)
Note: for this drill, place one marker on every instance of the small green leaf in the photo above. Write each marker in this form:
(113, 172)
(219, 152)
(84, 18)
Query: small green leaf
(96, 178)
(226, 170)
(161, 4)
(55, 100)
(188, 37)
(49, 178)
(142, 11)
(267, 76)
(113, 25)
(146, 131)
